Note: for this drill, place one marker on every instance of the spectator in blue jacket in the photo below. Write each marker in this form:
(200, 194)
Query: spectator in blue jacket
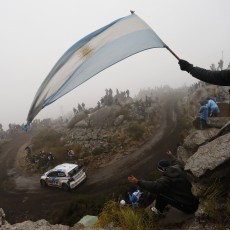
(214, 109)
(203, 115)
(135, 197)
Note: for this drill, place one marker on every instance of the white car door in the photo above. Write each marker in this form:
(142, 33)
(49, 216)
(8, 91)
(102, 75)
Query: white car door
(52, 179)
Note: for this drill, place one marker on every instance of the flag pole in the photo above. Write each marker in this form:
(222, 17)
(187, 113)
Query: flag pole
(172, 52)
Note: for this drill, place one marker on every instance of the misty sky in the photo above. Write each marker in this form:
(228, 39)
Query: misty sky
(35, 34)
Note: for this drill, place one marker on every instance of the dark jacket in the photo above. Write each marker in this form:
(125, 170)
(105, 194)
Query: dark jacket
(174, 183)
(213, 77)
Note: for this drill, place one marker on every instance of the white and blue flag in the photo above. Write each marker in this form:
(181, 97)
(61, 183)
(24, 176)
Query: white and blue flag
(92, 54)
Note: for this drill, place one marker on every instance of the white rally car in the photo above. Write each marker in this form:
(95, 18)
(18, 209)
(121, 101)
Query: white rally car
(66, 176)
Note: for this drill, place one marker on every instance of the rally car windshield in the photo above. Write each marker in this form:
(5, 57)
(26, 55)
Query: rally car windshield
(74, 171)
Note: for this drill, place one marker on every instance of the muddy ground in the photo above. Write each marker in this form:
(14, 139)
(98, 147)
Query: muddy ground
(22, 198)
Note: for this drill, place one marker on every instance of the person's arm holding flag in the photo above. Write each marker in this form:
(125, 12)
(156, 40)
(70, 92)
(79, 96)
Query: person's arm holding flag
(221, 77)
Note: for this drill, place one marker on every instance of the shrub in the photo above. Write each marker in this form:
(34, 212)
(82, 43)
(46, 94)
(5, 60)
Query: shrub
(216, 204)
(97, 151)
(131, 219)
(49, 140)
(136, 131)
(126, 217)
(120, 136)
(46, 138)
(77, 148)
(109, 214)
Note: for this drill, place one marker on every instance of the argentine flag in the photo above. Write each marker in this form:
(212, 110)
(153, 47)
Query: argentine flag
(92, 54)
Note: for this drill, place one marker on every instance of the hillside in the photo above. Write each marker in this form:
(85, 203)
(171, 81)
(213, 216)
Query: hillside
(112, 152)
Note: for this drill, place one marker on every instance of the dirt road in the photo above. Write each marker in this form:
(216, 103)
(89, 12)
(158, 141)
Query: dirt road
(22, 198)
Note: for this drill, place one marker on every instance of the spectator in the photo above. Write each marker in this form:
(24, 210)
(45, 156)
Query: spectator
(172, 188)
(74, 111)
(28, 150)
(134, 198)
(70, 154)
(214, 109)
(50, 158)
(203, 115)
(79, 107)
(98, 105)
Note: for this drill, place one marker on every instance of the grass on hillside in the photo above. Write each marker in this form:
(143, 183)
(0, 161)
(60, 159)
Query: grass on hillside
(217, 201)
(126, 217)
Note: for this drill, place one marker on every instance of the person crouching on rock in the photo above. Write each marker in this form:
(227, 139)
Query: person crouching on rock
(172, 188)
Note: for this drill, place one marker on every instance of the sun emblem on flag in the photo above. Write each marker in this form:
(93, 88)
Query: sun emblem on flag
(86, 51)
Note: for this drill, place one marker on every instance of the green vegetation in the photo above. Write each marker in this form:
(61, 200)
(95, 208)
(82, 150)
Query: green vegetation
(49, 140)
(136, 131)
(85, 204)
(126, 217)
(217, 202)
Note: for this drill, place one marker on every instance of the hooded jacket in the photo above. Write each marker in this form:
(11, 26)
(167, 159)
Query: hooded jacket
(213, 106)
(174, 183)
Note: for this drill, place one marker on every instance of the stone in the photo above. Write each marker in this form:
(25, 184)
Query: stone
(209, 156)
(217, 122)
(119, 120)
(183, 154)
(198, 138)
(82, 124)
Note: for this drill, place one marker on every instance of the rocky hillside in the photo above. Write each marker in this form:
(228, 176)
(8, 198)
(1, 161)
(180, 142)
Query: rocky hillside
(205, 153)
(206, 156)
(97, 135)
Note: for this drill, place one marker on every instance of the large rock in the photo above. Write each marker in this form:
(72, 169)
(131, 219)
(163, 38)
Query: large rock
(78, 117)
(224, 130)
(38, 225)
(88, 220)
(198, 138)
(126, 101)
(119, 120)
(82, 124)
(209, 156)
(218, 122)
(105, 116)
(183, 154)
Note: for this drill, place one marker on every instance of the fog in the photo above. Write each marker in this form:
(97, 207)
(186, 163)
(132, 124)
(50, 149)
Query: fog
(35, 34)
